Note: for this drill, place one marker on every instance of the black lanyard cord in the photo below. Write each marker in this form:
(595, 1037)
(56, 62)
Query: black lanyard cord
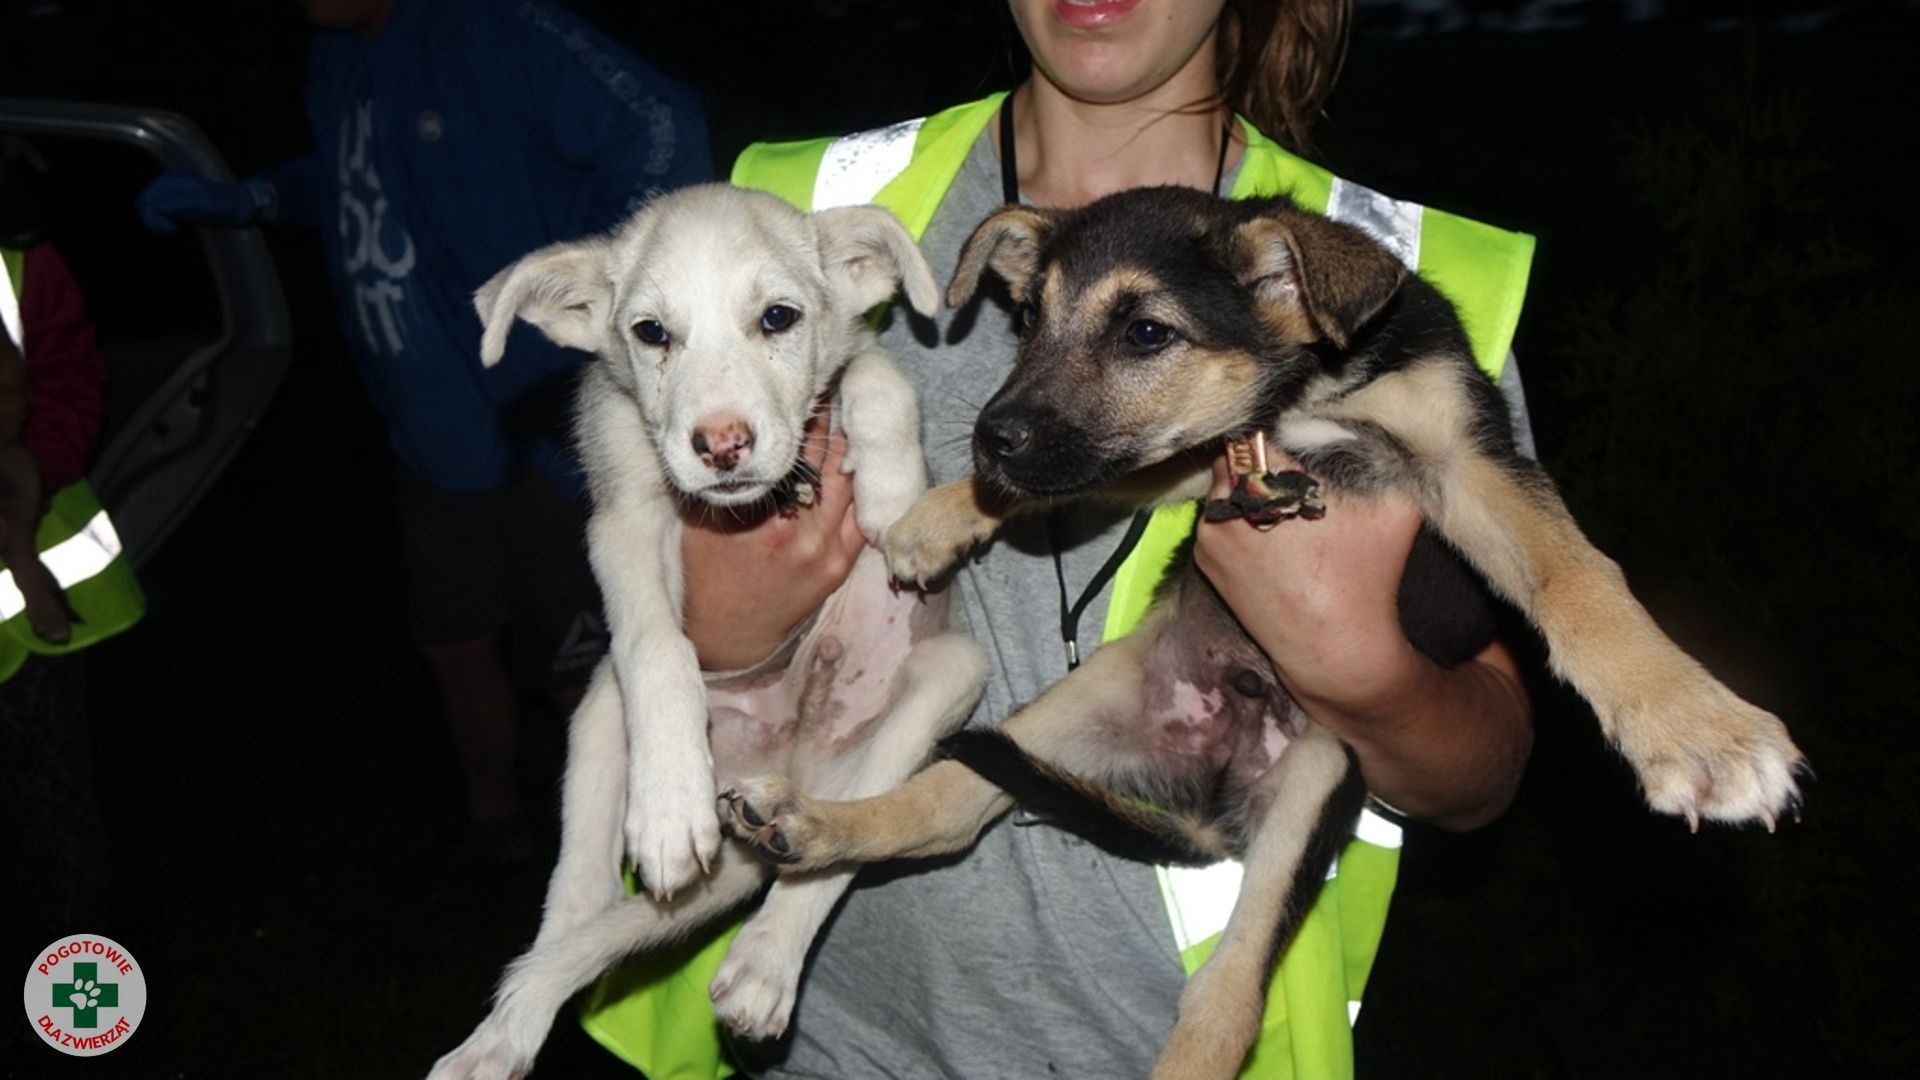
(1070, 614)
(1009, 167)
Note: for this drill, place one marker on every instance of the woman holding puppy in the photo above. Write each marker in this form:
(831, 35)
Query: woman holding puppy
(1036, 954)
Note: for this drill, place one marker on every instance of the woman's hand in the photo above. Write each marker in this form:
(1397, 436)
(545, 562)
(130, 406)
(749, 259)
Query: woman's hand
(1320, 598)
(749, 583)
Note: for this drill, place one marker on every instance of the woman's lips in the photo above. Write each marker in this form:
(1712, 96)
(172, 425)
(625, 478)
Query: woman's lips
(1087, 14)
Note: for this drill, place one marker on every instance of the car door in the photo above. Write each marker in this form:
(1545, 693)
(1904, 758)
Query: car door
(193, 328)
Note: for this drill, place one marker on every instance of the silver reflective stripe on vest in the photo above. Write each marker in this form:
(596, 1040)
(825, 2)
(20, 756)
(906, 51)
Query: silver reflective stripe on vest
(1516, 396)
(71, 561)
(10, 306)
(855, 167)
(1377, 830)
(1199, 899)
(1395, 224)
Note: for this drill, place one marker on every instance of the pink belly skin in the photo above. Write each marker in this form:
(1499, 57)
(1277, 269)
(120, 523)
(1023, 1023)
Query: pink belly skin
(840, 679)
(1212, 716)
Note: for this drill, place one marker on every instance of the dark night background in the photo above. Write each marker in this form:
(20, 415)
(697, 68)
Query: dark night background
(1718, 349)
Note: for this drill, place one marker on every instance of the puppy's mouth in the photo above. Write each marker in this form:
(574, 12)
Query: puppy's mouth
(735, 490)
(798, 487)
(1059, 480)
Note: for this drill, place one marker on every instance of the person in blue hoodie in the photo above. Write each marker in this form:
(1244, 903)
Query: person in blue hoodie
(450, 138)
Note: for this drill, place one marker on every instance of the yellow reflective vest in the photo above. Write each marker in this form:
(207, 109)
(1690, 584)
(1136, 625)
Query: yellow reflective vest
(654, 1012)
(76, 541)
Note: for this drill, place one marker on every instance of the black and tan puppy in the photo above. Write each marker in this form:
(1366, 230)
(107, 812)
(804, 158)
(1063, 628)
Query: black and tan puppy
(1156, 323)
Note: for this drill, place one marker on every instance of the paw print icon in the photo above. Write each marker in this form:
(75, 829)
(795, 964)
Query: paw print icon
(86, 994)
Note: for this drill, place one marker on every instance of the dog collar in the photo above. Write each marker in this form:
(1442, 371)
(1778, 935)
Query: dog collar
(1264, 498)
(797, 490)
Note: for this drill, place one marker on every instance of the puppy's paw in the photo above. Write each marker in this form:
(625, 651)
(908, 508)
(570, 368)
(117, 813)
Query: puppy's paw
(938, 531)
(882, 494)
(488, 1054)
(754, 990)
(772, 818)
(1702, 752)
(672, 833)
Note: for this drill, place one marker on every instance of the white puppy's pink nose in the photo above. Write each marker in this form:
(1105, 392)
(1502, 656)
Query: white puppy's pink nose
(723, 441)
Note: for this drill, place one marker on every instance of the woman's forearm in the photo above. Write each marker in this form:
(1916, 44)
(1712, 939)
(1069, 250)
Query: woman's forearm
(1448, 746)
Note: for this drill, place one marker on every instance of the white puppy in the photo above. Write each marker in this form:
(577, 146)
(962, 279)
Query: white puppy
(720, 316)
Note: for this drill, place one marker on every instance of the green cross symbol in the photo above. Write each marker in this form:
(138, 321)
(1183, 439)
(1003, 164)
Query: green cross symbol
(85, 994)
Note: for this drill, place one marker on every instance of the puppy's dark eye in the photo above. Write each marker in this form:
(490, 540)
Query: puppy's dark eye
(1148, 334)
(777, 318)
(650, 332)
(1026, 317)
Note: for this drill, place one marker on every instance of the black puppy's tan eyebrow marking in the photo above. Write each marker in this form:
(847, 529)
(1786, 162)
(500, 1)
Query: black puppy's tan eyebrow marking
(1120, 291)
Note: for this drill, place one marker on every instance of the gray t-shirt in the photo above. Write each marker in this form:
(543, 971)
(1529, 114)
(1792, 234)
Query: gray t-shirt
(1035, 954)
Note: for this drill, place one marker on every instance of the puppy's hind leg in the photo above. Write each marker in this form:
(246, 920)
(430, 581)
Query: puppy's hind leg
(586, 877)
(551, 971)
(1315, 792)
(943, 807)
(755, 989)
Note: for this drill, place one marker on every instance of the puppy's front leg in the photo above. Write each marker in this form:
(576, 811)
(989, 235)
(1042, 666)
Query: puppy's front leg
(633, 542)
(671, 831)
(952, 519)
(1312, 794)
(881, 415)
(1700, 751)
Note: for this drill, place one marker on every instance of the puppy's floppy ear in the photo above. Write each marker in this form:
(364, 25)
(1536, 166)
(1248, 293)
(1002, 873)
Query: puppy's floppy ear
(562, 289)
(1008, 241)
(865, 251)
(1314, 279)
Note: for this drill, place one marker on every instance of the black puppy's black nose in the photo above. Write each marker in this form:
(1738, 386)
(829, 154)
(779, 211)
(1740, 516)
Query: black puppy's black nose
(1003, 436)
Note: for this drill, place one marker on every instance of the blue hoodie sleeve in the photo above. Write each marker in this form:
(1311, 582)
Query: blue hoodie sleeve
(608, 112)
(302, 189)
